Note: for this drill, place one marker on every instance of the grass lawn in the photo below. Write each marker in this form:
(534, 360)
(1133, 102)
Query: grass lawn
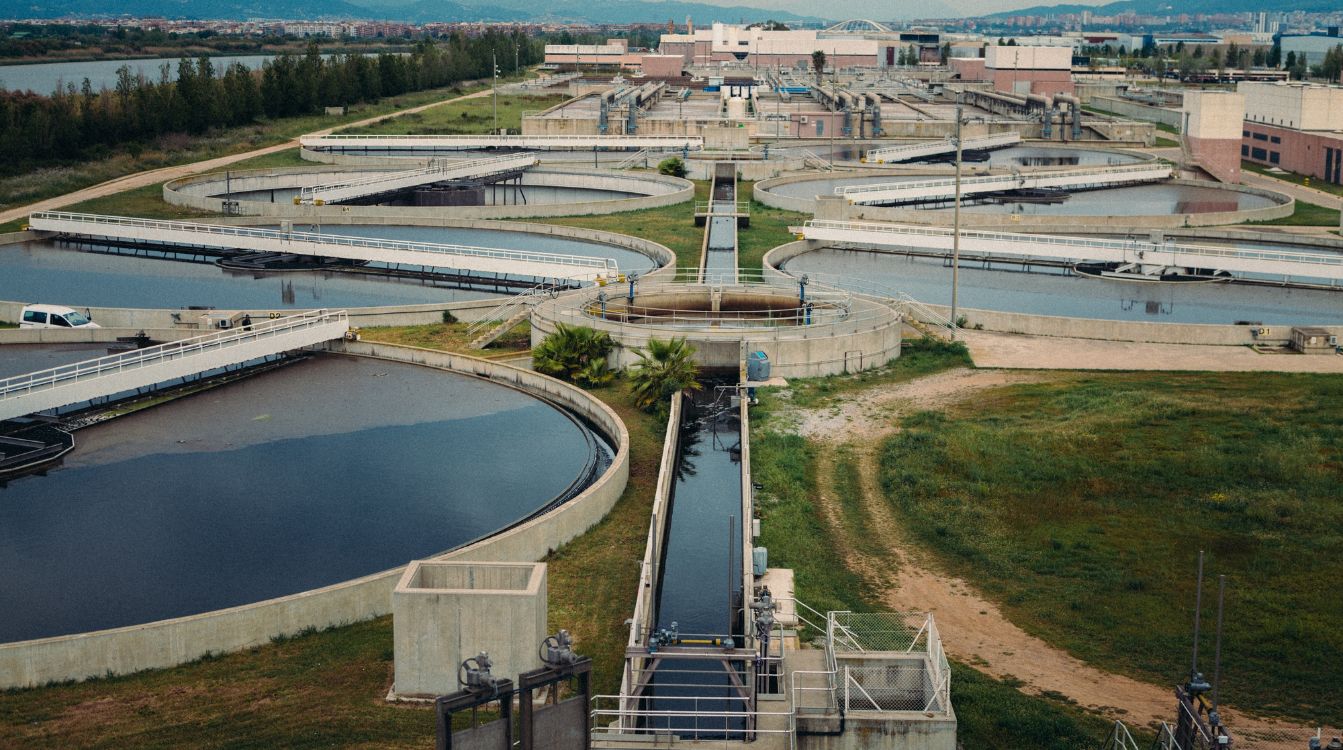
(1080, 506)
(991, 713)
(473, 116)
(674, 227)
(1294, 178)
(1305, 215)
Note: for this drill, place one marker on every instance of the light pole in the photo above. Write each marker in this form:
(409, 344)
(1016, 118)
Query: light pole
(956, 227)
(494, 68)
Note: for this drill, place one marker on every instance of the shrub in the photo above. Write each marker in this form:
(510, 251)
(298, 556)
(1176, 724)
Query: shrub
(672, 166)
(664, 367)
(576, 354)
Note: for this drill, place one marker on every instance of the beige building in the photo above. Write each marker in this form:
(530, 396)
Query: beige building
(1294, 105)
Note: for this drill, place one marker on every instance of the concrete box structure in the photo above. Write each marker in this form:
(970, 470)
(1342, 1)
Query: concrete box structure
(1313, 341)
(1030, 70)
(969, 68)
(1212, 130)
(662, 66)
(444, 612)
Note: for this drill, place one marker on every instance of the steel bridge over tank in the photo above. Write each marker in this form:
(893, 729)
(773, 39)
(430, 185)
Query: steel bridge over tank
(365, 186)
(1132, 256)
(909, 152)
(422, 143)
(944, 189)
(498, 261)
(108, 376)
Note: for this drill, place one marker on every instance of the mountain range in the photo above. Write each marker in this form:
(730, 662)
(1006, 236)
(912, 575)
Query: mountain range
(1168, 7)
(417, 11)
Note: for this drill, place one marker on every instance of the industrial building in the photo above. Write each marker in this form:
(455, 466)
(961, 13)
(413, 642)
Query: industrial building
(1294, 126)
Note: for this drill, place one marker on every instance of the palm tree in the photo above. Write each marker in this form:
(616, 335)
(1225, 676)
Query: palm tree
(576, 354)
(664, 367)
(818, 64)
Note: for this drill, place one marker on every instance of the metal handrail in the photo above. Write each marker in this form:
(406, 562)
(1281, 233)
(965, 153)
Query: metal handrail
(972, 181)
(436, 168)
(18, 385)
(690, 141)
(999, 139)
(1211, 251)
(525, 256)
(711, 207)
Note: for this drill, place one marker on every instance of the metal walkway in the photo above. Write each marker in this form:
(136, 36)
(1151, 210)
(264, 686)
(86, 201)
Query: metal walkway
(392, 252)
(911, 151)
(118, 373)
(944, 189)
(381, 143)
(368, 185)
(1141, 255)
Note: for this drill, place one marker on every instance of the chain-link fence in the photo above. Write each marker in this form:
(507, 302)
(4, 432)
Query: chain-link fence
(862, 632)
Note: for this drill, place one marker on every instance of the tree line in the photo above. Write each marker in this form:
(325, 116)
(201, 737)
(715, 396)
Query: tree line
(79, 122)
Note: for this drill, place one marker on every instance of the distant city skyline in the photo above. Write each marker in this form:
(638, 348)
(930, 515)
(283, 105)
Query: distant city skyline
(878, 10)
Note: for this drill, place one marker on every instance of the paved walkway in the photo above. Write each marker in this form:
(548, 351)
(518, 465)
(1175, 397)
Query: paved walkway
(1013, 351)
(163, 174)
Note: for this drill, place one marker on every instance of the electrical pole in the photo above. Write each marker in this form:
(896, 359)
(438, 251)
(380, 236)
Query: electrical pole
(956, 227)
(494, 68)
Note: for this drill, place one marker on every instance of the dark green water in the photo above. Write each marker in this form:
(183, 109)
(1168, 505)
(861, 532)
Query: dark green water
(319, 472)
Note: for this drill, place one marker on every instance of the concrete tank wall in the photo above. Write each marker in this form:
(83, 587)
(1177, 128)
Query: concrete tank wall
(170, 642)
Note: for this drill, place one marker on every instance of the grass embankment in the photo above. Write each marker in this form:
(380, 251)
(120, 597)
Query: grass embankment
(1293, 178)
(1080, 506)
(1305, 215)
(182, 149)
(469, 117)
(453, 337)
(991, 713)
(674, 227)
(325, 689)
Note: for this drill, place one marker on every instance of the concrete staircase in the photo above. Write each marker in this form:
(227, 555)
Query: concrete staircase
(493, 334)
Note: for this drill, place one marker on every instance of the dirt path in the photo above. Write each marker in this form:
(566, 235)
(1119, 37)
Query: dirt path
(973, 629)
(1010, 350)
(163, 174)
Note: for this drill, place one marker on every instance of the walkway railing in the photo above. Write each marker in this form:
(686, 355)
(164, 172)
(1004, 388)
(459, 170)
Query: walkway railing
(938, 189)
(439, 170)
(535, 142)
(917, 150)
(215, 235)
(1205, 256)
(260, 330)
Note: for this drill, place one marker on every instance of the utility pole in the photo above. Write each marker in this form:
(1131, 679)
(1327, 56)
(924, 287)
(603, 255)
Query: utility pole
(494, 67)
(956, 227)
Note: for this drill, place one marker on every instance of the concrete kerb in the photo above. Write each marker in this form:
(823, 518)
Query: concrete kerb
(1284, 205)
(1078, 328)
(656, 191)
(170, 642)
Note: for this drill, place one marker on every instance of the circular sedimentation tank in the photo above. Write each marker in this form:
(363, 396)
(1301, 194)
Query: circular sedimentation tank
(1011, 286)
(1173, 203)
(540, 191)
(353, 466)
(85, 274)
